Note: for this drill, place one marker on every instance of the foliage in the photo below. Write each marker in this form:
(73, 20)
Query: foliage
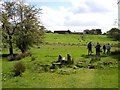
(48, 31)
(9, 23)
(114, 33)
(30, 29)
(19, 68)
(93, 31)
(20, 25)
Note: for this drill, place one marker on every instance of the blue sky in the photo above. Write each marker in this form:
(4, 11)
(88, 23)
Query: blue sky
(54, 5)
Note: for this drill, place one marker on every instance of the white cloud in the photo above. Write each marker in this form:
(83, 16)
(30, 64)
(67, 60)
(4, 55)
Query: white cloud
(81, 14)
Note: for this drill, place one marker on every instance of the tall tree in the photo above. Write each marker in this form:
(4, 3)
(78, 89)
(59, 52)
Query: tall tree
(30, 28)
(21, 25)
(9, 22)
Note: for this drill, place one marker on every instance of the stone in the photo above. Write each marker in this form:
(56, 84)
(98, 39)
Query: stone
(68, 59)
(80, 62)
(91, 66)
(59, 58)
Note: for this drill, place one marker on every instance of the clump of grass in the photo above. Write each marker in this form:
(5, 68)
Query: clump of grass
(46, 68)
(82, 64)
(65, 72)
(41, 68)
(33, 58)
(19, 68)
(95, 59)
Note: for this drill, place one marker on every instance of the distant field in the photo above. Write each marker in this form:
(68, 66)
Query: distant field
(33, 77)
(77, 39)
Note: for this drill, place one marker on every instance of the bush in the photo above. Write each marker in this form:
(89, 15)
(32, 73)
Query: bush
(19, 56)
(11, 58)
(19, 68)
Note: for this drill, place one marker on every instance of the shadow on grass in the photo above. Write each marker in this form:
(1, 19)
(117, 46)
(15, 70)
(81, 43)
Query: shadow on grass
(112, 39)
(115, 54)
(6, 55)
(93, 55)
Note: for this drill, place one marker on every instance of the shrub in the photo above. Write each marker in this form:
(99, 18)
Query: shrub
(19, 68)
(19, 56)
(11, 58)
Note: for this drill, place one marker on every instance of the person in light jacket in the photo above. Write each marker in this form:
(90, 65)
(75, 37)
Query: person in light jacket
(108, 47)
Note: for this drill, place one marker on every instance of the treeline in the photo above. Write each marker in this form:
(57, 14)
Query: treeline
(114, 33)
(93, 31)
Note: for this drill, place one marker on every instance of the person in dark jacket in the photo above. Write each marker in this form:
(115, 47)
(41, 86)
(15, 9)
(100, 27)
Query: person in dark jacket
(98, 49)
(89, 46)
(104, 48)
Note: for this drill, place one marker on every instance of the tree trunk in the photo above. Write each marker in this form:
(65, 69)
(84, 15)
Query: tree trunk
(11, 46)
(22, 50)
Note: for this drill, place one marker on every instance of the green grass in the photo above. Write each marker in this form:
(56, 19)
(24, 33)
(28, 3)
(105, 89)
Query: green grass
(75, 39)
(46, 54)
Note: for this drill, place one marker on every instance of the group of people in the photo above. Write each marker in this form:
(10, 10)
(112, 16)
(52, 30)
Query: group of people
(98, 48)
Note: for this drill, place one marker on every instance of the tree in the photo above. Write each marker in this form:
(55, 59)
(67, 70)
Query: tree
(98, 31)
(30, 29)
(9, 23)
(114, 33)
(21, 26)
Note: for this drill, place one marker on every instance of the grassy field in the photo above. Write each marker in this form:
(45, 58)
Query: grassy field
(77, 39)
(55, 44)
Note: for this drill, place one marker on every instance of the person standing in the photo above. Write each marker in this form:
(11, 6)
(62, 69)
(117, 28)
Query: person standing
(89, 46)
(108, 47)
(104, 48)
(97, 49)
